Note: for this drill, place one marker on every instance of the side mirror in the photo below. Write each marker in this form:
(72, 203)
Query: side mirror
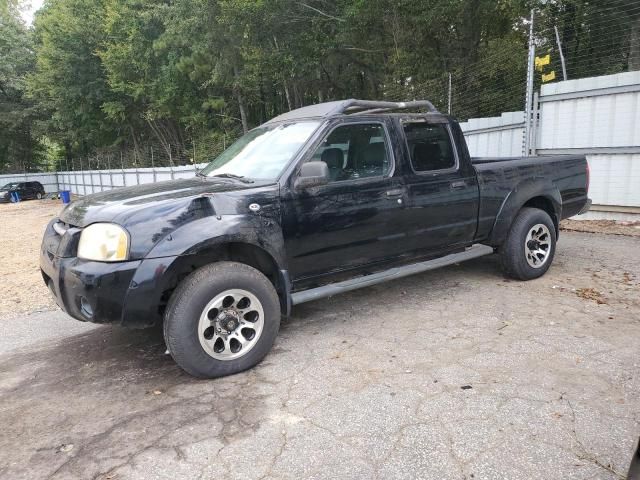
(313, 174)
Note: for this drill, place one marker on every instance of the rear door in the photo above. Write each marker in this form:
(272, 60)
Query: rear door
(352, 221)
(23, 190)
(442, 189)
(31, 189)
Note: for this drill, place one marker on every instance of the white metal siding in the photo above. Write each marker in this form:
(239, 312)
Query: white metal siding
(87, 182)
(495, 136)
(597, 116)
(615, 179)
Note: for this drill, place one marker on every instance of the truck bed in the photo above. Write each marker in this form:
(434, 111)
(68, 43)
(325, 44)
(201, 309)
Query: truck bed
(561, 180)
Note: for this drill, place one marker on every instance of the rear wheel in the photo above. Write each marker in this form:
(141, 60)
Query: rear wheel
(530, 245)
(221, 320)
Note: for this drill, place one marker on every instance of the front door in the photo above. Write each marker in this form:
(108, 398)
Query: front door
(353, 221)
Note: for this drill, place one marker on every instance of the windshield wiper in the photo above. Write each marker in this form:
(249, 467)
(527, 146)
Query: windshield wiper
(235, 177)
(200, 174)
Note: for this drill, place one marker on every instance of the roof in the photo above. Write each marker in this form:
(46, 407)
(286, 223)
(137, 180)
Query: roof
(351, 106)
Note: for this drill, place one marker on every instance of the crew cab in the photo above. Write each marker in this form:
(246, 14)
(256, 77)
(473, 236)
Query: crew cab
(317, 201)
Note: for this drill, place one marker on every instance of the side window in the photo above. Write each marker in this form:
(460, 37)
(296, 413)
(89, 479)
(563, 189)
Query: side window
(355, 151)
(429, 147)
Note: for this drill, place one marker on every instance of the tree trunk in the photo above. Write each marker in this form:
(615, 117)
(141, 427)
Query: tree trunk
(240, 99)
(472, 31)
(319, 78)
(287, 94)
(243, 114)
(634, 45)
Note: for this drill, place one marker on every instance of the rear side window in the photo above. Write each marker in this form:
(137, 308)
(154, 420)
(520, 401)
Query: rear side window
(355, 151)
(429, 146)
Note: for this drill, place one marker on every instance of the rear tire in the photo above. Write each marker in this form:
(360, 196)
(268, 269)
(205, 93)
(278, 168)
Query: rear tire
(222, 319)
(530, 246)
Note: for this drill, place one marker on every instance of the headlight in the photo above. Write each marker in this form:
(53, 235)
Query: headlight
(104, 242)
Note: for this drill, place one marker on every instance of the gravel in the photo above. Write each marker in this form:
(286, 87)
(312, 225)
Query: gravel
(23, 225)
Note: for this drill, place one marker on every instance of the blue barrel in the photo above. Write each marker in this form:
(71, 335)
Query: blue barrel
(65, 195)
(15, 197)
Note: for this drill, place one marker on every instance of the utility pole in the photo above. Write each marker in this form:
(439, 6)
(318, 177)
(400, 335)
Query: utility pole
(564, 68)
(529, 92)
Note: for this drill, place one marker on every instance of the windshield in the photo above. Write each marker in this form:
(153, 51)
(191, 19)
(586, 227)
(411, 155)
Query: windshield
(9, 186)
(263, 152)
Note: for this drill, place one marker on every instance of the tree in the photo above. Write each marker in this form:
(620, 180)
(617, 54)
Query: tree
(19, 150)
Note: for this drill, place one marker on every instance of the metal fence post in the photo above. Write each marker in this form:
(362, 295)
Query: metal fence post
(529, 91)
(564, 67)
(171, 163)
(135, 163)
(153, 167)
(195, 168)
(110, 172)
(534, 127)
(100, 175)
(124, 178)
(84, 182)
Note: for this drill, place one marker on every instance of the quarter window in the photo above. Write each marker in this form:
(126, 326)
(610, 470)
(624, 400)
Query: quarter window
(429, 147)
(355, 151)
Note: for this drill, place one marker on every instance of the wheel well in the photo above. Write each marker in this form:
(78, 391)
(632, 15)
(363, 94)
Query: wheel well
(543, 203)
(246, 253)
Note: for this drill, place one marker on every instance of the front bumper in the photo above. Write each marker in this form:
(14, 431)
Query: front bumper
(88, 291)
(128, 293)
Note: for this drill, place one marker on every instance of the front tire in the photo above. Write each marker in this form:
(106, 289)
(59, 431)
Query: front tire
(530, 246)
(222, 319)
(38, 196)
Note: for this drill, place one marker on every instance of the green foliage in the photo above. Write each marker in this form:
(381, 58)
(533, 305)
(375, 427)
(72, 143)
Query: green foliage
(97, 75)
(19, 150)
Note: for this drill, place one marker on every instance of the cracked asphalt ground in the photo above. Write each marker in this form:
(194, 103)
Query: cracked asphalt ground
(456, 373)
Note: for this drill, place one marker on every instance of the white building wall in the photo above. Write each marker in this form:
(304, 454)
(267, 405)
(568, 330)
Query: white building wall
(598, 117)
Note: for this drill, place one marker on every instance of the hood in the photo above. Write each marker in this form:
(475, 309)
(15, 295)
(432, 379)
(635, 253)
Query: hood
(119, 204)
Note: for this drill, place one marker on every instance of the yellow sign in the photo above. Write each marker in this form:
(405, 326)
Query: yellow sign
(549, 76)
(542, 61)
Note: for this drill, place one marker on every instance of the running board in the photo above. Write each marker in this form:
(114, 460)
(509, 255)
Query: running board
(398, 272)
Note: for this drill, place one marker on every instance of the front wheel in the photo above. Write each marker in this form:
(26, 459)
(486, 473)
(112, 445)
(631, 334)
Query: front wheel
(39, 196)
(221, 320)
(530, 245)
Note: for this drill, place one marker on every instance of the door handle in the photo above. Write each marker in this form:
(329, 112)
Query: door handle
(458, 184)
(396, 192)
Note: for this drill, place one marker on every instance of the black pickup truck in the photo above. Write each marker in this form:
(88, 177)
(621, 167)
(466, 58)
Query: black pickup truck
(317, 201)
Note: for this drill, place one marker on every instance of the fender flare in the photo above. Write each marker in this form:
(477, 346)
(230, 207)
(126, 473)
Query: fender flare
(517, 198)
(163, 265)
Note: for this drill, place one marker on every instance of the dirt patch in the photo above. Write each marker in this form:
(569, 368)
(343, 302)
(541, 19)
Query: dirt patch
(591, 294)
(23, 225)
(611, 227)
